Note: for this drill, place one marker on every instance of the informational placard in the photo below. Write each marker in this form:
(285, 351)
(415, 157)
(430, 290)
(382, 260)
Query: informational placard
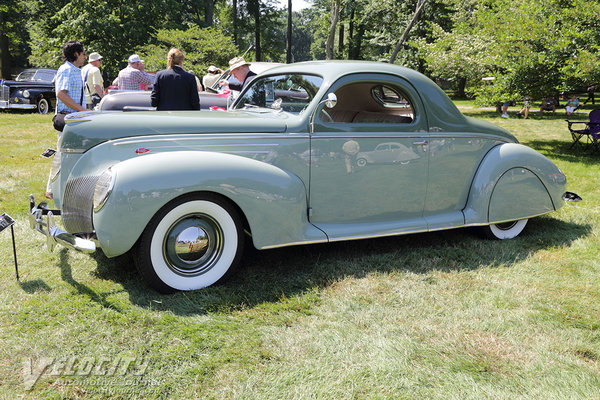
(5, 221)
(48, 153)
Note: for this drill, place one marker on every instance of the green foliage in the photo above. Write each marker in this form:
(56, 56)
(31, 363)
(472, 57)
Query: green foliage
(13, 36)
(532, 47)
(112, 28)
(201, 46)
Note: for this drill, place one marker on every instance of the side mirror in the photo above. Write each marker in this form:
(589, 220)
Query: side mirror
(331, 100)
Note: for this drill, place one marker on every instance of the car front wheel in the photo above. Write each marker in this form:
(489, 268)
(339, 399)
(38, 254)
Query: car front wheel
(191, 243)
(42, 106)
(504, 230)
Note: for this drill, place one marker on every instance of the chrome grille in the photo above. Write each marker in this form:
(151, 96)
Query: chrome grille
(4, 93)
(78, 204)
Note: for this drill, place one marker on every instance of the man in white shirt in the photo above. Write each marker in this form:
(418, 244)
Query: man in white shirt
(92, 79)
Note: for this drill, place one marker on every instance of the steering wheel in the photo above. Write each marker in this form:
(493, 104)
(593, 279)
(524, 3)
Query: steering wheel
(327, 116)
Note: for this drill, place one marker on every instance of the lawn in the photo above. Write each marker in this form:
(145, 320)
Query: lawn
(442, 315)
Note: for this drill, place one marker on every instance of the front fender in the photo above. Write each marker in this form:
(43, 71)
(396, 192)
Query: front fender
(513, 182)
(272, 200)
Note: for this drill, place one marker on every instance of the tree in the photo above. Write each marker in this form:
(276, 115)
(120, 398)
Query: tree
(13, 36)
(420, 5)
(335, 14)
(202, 47)
(113, 28)
(531, 48)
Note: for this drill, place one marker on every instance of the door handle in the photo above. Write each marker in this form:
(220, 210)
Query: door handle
(421, 143)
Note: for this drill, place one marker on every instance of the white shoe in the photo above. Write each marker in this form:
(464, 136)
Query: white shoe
(505, 115)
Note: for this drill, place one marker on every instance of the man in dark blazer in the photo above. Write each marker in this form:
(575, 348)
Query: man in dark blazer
(174, 88)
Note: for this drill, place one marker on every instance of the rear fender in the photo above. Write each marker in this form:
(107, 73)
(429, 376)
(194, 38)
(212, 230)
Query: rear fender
(513, 182)
(273, 201)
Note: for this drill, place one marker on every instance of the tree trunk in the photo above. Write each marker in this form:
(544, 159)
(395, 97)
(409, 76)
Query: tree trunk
(351, 35)
(235, 22)
(288, 47)
(460, 91)
(420, 4)
(341, 41)
(209, 10)
(4, 58)
(335, 14)
(257, 47)
(357, 43)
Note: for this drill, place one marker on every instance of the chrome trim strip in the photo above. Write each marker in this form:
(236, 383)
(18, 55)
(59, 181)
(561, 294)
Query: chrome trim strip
(188, 137)
(73, 151)
(317, 135)
(451, 135)
(276, 246)
(19, 106)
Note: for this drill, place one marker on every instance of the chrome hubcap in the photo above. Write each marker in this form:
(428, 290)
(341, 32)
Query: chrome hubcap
(193, 245)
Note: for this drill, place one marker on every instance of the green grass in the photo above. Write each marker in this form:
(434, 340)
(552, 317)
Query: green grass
(442, 315)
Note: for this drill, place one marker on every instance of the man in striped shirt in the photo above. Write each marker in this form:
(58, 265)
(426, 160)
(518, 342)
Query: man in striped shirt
(133, 76)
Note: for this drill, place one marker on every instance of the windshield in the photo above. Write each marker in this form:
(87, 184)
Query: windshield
(35, 76)
(290, 92)
(25, 76)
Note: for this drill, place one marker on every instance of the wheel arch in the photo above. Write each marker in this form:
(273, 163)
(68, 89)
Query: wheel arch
(271, 202)
(512, 182)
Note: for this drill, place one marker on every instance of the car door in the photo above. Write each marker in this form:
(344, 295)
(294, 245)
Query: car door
(369, 159)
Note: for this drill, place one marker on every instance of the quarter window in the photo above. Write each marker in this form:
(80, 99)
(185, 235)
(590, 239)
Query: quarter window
(370, 102)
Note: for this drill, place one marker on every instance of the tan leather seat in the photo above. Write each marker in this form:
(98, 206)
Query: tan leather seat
(342, 115)
(368, 116)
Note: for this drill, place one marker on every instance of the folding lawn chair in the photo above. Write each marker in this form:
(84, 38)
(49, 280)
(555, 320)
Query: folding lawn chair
(589, 136)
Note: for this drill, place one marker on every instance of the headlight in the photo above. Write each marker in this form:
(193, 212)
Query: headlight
(25, 93)
(103, 188)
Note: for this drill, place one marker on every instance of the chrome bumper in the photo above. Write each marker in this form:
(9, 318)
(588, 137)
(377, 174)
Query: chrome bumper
(54, 234)
(6, 104)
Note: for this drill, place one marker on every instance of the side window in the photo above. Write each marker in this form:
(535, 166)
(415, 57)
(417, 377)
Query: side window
(370, 102)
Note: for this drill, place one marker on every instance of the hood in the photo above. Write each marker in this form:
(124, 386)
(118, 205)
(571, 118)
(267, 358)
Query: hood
(26, 83)
(87, 129)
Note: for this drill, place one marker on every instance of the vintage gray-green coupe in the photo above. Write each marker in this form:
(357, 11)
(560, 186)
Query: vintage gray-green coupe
(309, 153)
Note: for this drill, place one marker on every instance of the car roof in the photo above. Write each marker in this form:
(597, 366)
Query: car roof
(333, 69)
(39, 69)
(260, 66)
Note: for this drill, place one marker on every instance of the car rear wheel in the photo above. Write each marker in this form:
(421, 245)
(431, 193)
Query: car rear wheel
(42, 106)
(193, 242)
(505, 230)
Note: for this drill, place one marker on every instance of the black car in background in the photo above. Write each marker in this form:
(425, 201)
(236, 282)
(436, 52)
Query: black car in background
(33, 89)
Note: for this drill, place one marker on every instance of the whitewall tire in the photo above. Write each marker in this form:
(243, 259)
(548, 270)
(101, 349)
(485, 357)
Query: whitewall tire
(42, 106)
(193, 242)
(505, 230)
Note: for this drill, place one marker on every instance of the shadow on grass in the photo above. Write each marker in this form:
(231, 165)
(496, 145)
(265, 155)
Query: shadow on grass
(272, 275)
(562, 150)
(67, 276)
(34, 286)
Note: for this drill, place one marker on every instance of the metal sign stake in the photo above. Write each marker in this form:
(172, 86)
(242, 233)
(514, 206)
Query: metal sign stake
(6, 221)
(12, 232)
